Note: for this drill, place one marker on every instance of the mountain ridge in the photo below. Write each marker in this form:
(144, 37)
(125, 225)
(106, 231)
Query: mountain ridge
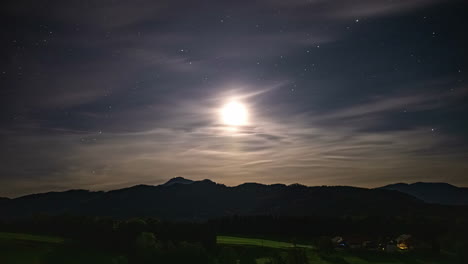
(400, 186)
(206, 199)
(178, 180)
(433, 192)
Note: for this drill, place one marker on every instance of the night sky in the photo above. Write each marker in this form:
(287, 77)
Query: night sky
(108, 94)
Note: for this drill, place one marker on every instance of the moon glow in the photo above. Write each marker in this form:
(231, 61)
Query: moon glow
(234, 114)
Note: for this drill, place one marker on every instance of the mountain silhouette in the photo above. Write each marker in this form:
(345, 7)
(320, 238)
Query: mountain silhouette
(206, 199)
(178, 180)
(437, 193)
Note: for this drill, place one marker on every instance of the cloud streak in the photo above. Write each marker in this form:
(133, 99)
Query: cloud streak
(284, 150)
(108, 94)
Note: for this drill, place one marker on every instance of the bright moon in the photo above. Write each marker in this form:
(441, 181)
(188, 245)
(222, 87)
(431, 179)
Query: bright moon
(234, 114)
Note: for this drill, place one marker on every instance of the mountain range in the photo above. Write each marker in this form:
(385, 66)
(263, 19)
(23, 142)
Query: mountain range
(184, 199)
(429, 192)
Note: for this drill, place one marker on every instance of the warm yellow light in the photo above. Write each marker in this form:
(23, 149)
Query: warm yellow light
(234, 114)
(402, 246)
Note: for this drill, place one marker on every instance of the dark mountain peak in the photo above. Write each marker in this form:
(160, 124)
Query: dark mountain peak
(138, 187)
(395, 185)
(434, 184)
(420, 185)
(207, 182)
(69, 193)
(297, 186)
(178, 180)
(433, 192)
(278, 185)
(251, 184)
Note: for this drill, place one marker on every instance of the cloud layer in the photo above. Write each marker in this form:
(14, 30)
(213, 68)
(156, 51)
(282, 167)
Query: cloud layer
(116, 93)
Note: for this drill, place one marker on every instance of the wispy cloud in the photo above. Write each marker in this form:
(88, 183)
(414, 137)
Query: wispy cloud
(113, 93)
(286, 149)
(400, 103)
(353, 9)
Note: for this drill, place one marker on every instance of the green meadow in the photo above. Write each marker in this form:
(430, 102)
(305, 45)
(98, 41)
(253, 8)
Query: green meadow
(244, 241)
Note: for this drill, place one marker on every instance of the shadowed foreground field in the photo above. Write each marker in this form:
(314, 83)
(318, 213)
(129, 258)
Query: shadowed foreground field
(282, 250)
(18, 248)
(31, 238)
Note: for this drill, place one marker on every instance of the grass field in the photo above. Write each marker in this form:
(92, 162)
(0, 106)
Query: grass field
(230, 240)
(29, 237)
